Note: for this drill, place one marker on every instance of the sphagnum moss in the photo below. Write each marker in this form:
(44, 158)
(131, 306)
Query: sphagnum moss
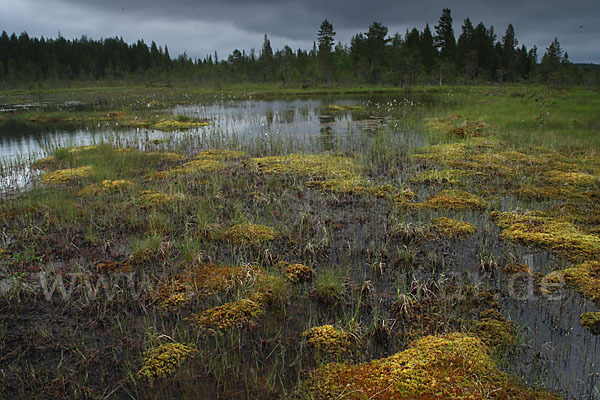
(150, 198)
(172, 125)
(456, 366)
(249, 233)
(556, 233)
(104, 187)
(591, 320)
(202, 280)
(164, 360)
(202, 165)
(452, 228)
(327, 340)
(67, 175)
(238, 314)
(586, 278)
(326, 165)
(298, 273)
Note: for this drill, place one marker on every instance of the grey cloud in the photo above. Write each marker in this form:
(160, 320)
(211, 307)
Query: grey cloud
(240, 23)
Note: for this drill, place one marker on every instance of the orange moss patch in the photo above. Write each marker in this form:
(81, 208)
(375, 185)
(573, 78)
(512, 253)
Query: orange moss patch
(112, 267)
(201, 281)
(298, 273)
(238, 314)
(456, 366)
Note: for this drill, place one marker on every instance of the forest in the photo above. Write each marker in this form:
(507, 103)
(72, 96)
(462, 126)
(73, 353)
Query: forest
(429, 56)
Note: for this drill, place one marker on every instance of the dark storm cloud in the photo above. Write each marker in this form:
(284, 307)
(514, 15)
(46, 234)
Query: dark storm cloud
(226, 24)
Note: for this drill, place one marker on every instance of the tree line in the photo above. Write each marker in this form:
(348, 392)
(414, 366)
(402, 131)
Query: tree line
(417, 57)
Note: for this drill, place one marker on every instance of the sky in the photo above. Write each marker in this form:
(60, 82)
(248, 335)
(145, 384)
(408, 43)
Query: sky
(201, 27)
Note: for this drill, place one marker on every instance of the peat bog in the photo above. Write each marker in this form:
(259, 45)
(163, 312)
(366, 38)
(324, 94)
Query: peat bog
(441, 243)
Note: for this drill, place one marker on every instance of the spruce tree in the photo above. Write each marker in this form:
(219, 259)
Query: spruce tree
(444, 36)
(325, 39)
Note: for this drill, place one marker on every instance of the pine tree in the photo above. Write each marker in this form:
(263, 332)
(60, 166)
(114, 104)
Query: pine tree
(325, 39)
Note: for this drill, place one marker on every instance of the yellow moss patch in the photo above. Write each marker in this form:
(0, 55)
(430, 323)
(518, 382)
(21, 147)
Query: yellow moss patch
(172, 125)
(495, 331)
(105, 186)
(591, 320)
(207, 165)
(149, 198)
(586, 278)
(340, 107)
(328, 341)
(298, 273)
(238, 314)
(221, 155)
(571, 178)
(518, 157)
(166, 156)
(452, 200)
(164, 360)
(249, 233)
(352, 186)
(324, 165)
(559, 235)
(348, 186)
(442, 153)
(456, 366)
(67, 175)
(452, 228)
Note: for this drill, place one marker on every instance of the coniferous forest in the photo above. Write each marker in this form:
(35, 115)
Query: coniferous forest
(434, 55)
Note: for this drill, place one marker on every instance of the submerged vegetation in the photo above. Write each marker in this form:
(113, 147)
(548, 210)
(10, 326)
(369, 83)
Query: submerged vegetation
(385, 263)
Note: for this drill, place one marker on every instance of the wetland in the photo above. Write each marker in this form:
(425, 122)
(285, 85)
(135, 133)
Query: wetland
(396, 244)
